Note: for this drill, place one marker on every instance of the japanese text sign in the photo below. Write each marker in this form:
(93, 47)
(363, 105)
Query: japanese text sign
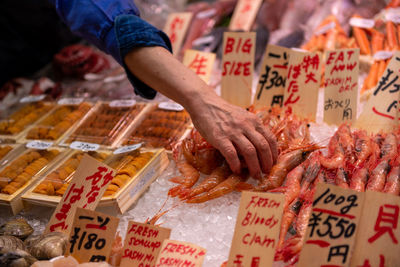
(200, 62)
(237, 67)
(332, 227)
(380, 113)
(143, 244)
(341, 86)
(85, 190)
(379, 232)
(257, 229)
(92, 236)
(176, 27)
(244, 14)
(272, 80)
(302, 84)
(177, 253)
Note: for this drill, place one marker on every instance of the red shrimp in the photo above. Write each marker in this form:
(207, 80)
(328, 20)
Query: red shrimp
(377, 179)
(363, 147)
(359, 179)
(389, 147)
(342, 177)
(392, 185)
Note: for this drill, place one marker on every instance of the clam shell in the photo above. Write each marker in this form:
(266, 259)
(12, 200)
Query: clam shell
(19, 228)
(11, 242)
(15, 258)
(47, 246)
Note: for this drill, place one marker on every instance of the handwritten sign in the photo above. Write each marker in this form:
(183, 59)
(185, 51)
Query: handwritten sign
(143, 244)
(84, 146)
(126, 149)
(381, 110)
(92, 236)
(123, 103)
(177, 253)
(70, 101)
(302, 84)
(257, 229)
(332, 228)
(85, 190)
(379, 232)
(36, 144)
(244, 14)
(170, 106)
(32, 98)
(272, 80)
(341, 86)
(237, 67)
(176, 28)
(200, 62)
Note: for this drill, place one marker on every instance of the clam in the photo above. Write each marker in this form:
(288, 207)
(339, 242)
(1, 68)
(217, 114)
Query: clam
(15, 258)
(11, 242)
(47, 246)
(19, 228)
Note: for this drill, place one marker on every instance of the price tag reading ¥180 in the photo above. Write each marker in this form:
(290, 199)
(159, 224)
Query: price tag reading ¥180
(37, 144)
(124, 103)
(32, 98)
(145, 240)
(84, 146)
(70, 101)
(272, 80)
(237, 67)
(341, 85)
(178, 253)
(332, 227)
(257, 229)
(92, 236)
(244, 14)
(170, 106)
(85, 190)
(176, 28)
(200, 62)
(362, 23)
(126, 149)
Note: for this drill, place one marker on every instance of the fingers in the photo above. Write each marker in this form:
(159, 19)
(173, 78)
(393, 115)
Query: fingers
(229, 152)
(263, 150)
(273, 145)
(249, 152)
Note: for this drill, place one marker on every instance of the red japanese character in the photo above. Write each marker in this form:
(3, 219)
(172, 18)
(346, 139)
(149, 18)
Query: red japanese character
(310, 61)
(77, 196)
(311, 77)
(198, 64)
(246, 8)
(173, 37)
(293, 88)
(61, 225)
(386, 222)
(63, 214)
(107, 178)
(176, 22)
(296, 71)
(92, 195)
(97, 176)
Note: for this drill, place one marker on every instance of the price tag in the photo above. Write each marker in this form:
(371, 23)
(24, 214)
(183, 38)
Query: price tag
(380, 113)
(92, 236)
(126, 149)
(238, 67)
(341, 86)
(325, 28)
(170, 106)
(178, 253)
(200, 62)
(379, 232)
(244, 15)
(206, 13)
(84, 146)
(393, 14)
(70, 101)
(362, 23)
(302, 84)
(85, 190)
(332, 227)
(272, 80)
(203, 40)
(32, 98)
(257, 229)
(383, 55)
(143, 244)
(122, 103)
(176, 28)
(37, 144)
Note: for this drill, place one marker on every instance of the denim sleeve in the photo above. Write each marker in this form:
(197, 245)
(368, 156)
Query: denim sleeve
(114, 27)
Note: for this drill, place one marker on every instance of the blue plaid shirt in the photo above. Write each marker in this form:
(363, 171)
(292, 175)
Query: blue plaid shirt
(115, 27)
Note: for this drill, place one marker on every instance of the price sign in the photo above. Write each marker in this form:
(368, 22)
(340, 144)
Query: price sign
(126, 149)
(36, 144)
(176, 28)
(85, 190)
(257, 229)
(92, 236)
(70, 101)
(341, 86)
(122, 103)
(383, 55)
(32, 98)
(84, 146)
(237, 67)
(170, 106)
(379, 232)
(362, 23)
(143, 244)
(272, 80)
(200, 62)
(302, 84)
(380, 113)
(324, 29)
(177, 253)
(332, 227)
(244, 14)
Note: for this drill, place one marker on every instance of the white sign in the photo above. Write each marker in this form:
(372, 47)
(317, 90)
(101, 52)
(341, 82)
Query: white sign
(170, 106)
(383, 55)
(84, 146)
(122, 103)
(362, 23)
(325, 28)
(70, 101)
(32, 98)
(126, 149)
(36, 144)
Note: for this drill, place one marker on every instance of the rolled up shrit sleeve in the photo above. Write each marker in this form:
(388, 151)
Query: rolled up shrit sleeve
(115, 28)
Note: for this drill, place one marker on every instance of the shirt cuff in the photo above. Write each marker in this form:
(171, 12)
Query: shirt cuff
(130, 31)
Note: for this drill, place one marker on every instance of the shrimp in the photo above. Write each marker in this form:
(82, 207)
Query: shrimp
(227, 186)
(189, 177)
(392, 185)
(389, 147)
(359, 179)
(342, 177)
(346, 141)
(311, 173)
(335, 161)
(363, 147)
(377, 179)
